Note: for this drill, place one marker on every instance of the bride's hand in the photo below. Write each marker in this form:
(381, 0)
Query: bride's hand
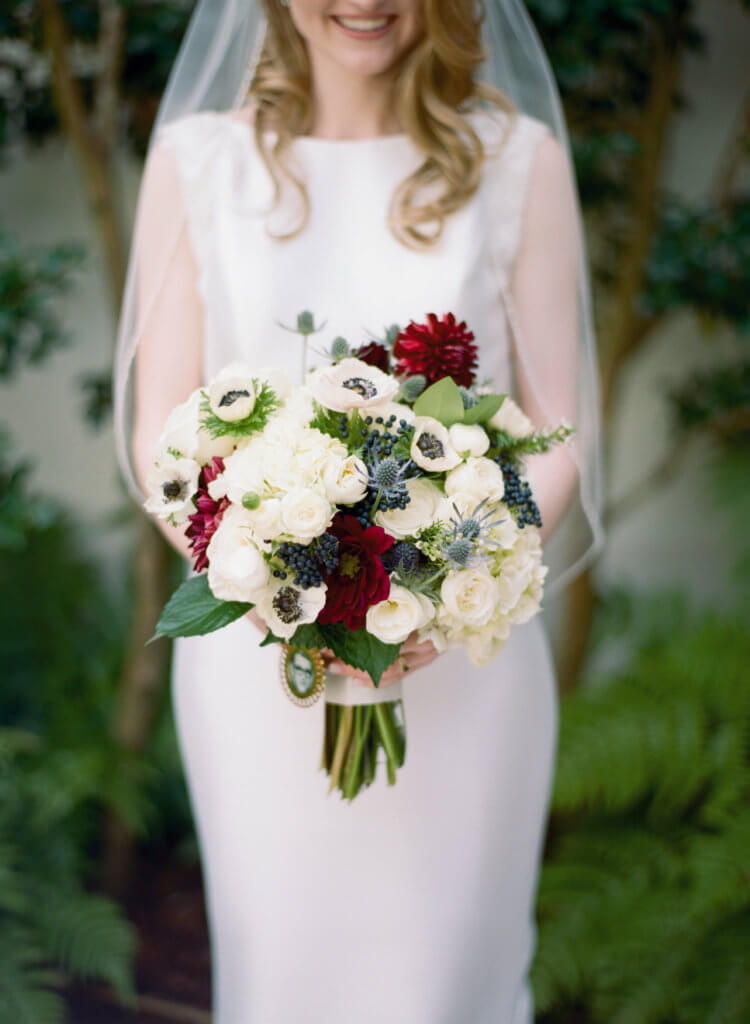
(413, 655)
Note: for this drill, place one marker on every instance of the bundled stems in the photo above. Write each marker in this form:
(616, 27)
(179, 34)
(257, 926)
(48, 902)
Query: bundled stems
(352, 738)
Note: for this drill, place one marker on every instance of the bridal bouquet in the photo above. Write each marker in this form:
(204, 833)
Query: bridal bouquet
(380, 499)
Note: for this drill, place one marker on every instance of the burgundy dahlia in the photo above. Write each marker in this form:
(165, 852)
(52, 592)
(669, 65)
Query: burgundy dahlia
(203, 523)
(437, 349)
(360, 579)
(374, 354)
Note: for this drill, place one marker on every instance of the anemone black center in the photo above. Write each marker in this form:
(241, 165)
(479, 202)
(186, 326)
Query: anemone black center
(362, 386)
(430, 446)
(286, 604)
(173, 489)
(230, 397)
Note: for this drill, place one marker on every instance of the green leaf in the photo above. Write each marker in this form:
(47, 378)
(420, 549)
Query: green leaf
(357, 648)
(442, 401)
(193, 610)
(484, 410)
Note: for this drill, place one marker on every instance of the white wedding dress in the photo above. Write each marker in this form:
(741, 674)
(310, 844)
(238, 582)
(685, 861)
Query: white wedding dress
(414, 904)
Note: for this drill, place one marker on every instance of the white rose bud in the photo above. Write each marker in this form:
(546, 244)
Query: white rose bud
(305, 514)
(512, 420)
(237, 570)
(470, 595)
(425, 500)
(402, 612)
(469, 439)
(344, 479)
(479, 477)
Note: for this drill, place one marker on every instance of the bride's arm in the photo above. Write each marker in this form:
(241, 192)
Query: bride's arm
(544, 291)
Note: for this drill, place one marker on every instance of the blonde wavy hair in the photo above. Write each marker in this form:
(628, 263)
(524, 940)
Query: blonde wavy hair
(434, 89)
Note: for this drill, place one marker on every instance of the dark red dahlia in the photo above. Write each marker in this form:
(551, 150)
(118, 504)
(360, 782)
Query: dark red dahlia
(374, 354)
(360, 579)
(437, 349)
(203, 523)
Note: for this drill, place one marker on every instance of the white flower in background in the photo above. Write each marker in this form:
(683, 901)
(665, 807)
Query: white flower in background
(478, 476)
(232, 397)
(469, 439)
(385, 411)
(425, 501)
(305, 514)
(352, 384)
(431, 446)
(237, 570)
(484, 645)
(470, 595)
(171, 484)
(183, 433)
(283, 606)
(512, 420)
(276, 379)
(344, 479)
(400, 614)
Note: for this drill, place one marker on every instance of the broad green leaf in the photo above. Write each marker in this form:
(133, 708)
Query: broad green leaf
(484, 410)
(442, 401)
(193, 610)
(357, 648)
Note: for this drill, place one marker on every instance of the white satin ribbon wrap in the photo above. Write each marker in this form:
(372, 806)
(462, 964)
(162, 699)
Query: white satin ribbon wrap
(347, 690)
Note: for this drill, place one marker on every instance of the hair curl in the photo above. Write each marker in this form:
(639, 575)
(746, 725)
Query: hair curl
(434, 89)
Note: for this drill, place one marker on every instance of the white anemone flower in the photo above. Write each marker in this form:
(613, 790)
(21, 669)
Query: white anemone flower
(352, 384)
(232, 398)
(171, 484)
(431, 446)
(283, 606)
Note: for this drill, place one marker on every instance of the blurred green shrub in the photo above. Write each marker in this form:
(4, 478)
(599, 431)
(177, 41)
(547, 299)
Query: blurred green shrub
(644, 901)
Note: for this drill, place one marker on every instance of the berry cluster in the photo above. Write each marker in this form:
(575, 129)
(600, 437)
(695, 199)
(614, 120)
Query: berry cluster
(518, 494)
(309, 562)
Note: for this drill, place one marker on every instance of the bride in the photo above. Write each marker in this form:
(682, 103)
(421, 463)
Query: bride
(371, 161)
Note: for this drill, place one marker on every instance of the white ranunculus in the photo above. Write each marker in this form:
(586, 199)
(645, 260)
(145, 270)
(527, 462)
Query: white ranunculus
(470, 595)
(183, 433)
(425, 500)
(344, 479)
(171, 484)
(283, 606)
(237, 570)
(305, 514)
(431, 446)
(400, 614)
(352, 384)
(469, 439)
(478, 476)
(512, 420)
(232, 398)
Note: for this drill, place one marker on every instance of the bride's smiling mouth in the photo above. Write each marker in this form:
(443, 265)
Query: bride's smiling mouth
(360, 27)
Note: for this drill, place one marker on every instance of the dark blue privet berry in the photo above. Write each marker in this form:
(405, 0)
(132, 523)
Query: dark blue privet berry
(368, 420)
(518, 495)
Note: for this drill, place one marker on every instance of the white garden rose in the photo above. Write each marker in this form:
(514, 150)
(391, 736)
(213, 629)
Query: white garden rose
(171, 484)
(352, 384)
(305, 514)
(431, 446)
(470, 595)
(283, 606)
(512, 420)
(469, 439)
(237, 570)
(344, 479)
(400, 614)
(425, 500)
(514, 577)
(478, 476)
(183, 433)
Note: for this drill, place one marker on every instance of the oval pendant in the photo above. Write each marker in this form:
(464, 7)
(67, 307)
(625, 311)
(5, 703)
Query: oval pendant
(302, 674)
